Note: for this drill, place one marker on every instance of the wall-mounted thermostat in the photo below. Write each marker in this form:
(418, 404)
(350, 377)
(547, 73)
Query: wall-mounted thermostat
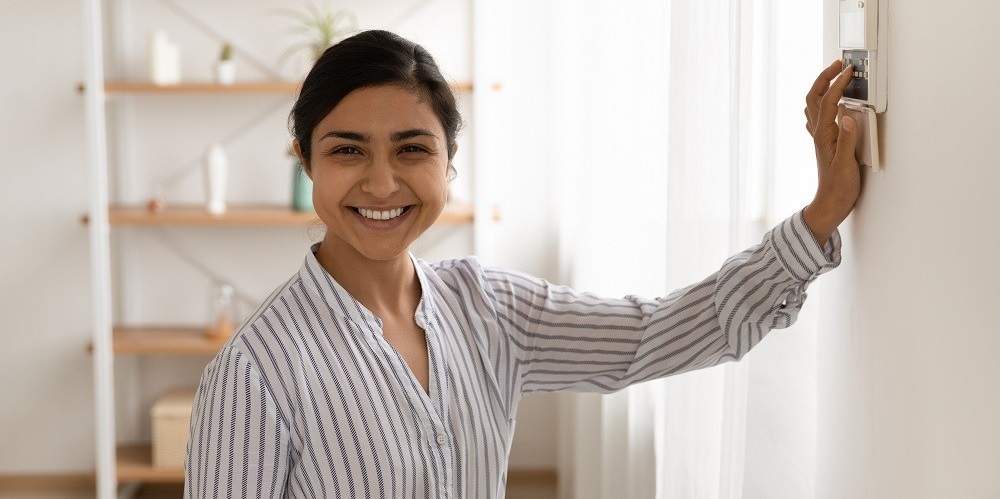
(862, 38)
(863, 41)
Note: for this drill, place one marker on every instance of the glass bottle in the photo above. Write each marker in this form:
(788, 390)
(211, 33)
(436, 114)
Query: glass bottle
(222, 320)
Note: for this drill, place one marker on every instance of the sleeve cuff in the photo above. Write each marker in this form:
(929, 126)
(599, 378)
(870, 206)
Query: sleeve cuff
(801, 255)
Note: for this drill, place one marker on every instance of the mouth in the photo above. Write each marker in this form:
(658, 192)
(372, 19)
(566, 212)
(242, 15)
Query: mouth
(383, 215)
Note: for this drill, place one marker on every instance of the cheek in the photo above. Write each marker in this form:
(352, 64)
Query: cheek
(328, 185)
(431, 187)
(433, 183)
(442, 182)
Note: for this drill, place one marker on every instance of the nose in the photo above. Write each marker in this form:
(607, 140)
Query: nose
(380, 179)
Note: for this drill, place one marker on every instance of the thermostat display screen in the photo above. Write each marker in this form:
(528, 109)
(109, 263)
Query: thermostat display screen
(852, 20)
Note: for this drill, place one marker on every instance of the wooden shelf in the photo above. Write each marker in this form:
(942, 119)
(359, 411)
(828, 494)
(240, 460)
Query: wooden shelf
(205, 87)
(250, 87)
(241, 215)
(456, 213)
(162, 340)
(134, 463)
(197, 215)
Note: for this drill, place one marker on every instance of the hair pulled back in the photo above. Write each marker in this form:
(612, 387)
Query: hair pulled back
(369, 59)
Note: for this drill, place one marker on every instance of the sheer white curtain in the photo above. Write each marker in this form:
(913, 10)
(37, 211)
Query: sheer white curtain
(660, 182)
(657, 134)
(610, 120)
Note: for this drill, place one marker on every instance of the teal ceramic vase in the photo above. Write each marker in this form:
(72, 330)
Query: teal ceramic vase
(302, 188)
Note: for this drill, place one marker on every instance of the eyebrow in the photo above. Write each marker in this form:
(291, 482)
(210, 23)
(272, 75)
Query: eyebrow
(409, 134)
(396, 137)
(355, 136)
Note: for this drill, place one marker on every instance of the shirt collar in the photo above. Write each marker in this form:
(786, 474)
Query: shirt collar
(342, 304)
(425, 312)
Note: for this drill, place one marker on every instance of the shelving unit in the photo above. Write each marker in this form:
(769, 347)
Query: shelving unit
(118, 463)
(134, 463)
(162, 340)
(241, 215)
(261, 87)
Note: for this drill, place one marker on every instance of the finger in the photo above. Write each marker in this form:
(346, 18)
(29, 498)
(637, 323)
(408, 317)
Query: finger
(823, 82)
(842, 111)
(829, 103)
(809, 120)
(842, 81)
(844, 154)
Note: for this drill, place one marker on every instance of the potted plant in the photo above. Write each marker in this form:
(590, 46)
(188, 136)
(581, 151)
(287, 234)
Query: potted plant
(319, 27)
(225, 69)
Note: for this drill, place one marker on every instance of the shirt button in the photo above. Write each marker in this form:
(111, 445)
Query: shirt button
(441, 439)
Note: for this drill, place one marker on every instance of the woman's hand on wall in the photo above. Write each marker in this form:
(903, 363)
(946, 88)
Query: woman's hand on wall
(839, 179)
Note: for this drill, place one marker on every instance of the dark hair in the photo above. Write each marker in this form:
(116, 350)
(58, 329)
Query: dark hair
(369, 59)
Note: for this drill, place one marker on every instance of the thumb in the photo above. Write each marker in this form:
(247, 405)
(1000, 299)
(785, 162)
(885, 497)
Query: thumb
(847, 138)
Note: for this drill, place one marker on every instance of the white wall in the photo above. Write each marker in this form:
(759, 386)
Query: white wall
(46, 418)
(908, 347)
(46, 424)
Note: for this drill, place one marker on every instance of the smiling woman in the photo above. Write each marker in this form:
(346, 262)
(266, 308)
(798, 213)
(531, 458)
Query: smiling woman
(371, 373)
(378, 167)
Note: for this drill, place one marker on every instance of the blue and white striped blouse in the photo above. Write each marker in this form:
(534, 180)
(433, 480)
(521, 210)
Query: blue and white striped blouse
(309, 400)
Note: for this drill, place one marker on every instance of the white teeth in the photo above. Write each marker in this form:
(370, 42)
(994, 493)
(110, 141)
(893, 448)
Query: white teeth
(380, 215)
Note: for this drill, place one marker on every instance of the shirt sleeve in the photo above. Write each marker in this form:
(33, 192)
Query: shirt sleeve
(567, 340)
(238, 444)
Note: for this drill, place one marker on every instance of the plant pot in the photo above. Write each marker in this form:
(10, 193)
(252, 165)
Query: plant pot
(225, 72)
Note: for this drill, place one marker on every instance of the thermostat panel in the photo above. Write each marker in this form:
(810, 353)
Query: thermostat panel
(862, 38)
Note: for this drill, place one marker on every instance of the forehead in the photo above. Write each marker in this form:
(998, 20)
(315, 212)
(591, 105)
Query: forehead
(380, 111)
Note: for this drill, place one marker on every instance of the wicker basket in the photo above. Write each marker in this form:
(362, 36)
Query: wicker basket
(171, 417)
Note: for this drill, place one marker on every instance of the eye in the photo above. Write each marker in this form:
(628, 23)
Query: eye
(346, 150)
(413, 149)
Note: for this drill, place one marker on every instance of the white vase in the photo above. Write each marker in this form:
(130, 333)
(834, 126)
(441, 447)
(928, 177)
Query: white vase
(173, 64)
(216, 168)
(225, 72)
(157, 58)
(164, 59)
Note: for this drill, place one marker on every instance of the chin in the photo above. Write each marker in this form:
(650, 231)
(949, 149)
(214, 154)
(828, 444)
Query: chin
(384, 254)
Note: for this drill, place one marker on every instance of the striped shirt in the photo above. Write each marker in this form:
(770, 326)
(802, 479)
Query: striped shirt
(309, 400)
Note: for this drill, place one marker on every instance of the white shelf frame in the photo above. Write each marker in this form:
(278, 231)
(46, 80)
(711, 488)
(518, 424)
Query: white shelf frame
(100, 257)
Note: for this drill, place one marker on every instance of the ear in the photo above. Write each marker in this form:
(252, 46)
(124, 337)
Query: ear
(298, 153)
(450, 172)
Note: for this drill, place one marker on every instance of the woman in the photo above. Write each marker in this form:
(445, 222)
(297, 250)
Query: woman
(373, 374)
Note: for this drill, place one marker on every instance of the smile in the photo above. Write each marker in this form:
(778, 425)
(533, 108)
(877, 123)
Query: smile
(382, 215)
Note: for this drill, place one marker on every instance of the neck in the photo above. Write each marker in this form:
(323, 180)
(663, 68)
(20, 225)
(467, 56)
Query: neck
(388, 288)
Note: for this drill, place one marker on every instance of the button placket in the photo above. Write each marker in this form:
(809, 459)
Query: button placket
(438, 439)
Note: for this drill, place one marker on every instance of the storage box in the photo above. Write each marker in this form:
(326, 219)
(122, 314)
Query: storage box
(171, 418)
